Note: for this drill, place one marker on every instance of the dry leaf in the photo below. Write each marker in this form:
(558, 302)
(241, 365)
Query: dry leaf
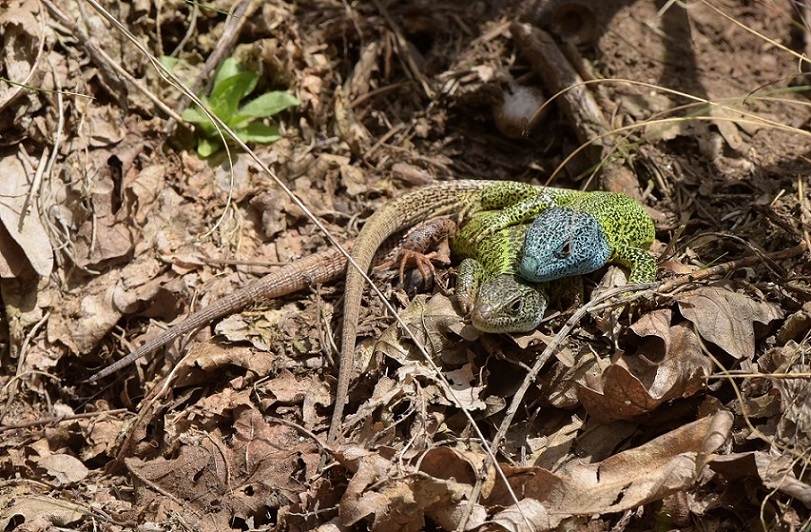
(527, 514)
(401, 502)
(84, 318)
(795, 393)
(650, 472)
(64, 468)
(207, 360)
(775, 470)
(23, 230)
(39, 512)
(433, 322)
(466, 393)
(670, 366)
(21, 25)
(726, 318)
(777, 473)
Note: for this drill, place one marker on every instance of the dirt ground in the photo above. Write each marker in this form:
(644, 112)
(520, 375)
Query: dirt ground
(691, 411)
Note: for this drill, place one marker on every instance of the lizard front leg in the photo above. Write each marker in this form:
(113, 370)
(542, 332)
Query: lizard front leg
(641, 264)
(469, 277)
(515, 203)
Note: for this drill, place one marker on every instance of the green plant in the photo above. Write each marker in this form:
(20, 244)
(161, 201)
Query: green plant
(232, 84)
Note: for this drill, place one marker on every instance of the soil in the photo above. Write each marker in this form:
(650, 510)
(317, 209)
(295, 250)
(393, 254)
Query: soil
(689, 411)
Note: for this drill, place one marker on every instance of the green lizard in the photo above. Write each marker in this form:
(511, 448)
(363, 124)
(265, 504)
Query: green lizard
(488, 288)
(519, 203)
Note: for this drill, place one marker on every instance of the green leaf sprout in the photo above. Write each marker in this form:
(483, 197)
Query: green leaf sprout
(232, 84)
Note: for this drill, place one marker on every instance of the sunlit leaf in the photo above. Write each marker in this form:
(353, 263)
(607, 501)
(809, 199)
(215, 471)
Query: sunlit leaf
(259, 132)
(268, 104)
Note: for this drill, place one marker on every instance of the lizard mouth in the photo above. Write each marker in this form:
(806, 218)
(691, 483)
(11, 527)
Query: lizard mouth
(483, 324)
(484, 319)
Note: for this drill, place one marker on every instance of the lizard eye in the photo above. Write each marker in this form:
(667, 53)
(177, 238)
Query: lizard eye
(564, 251)
(516, 306)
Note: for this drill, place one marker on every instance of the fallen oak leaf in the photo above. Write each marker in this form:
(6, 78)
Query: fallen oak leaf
(64, 468)
(435, 324)
(640, 383)
(395, 499)
(24, 243)
(39, 511)
(726, 318)
(462, 382)
(668, 464)
(515, 517)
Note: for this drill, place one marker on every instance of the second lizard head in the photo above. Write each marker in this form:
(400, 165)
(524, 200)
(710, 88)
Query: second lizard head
(562, 242)
(508, 304)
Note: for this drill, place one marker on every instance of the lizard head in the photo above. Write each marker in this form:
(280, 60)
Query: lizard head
(507, 303)
(562, 242)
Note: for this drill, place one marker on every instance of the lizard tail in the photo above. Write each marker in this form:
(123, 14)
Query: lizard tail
(398, 214)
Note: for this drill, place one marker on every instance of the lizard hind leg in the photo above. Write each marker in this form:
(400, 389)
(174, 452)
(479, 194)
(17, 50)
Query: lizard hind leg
(414, 249)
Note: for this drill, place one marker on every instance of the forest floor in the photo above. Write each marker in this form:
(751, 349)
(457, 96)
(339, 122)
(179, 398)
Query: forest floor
(690, 412)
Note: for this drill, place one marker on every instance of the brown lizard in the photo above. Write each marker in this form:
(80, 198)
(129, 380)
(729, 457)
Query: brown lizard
(317, 268)
(399, 213)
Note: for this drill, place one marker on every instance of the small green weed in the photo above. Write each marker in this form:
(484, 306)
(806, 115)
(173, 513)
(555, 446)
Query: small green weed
(232, 84)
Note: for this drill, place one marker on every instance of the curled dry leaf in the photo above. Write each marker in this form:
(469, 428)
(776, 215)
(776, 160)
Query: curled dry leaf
(549, 452)
(527, 512)
(669, 364)
(212, 359)
(650, 472)
(726, 318)
(435, 324)
(84, 318)
(401, 502)
(563, 381)
(102, 436)
(795, 393)
(463, 382)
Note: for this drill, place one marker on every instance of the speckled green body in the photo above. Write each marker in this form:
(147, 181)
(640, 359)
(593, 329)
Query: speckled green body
(573, 233)
(626, 227)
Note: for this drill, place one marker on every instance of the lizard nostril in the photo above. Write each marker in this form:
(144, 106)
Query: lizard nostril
(529, 267)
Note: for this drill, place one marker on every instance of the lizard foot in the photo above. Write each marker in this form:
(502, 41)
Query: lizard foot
(412, 250)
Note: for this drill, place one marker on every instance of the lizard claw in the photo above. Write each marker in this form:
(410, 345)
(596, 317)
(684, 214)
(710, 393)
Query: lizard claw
(412, 249)
(465, 304)
(422, 261)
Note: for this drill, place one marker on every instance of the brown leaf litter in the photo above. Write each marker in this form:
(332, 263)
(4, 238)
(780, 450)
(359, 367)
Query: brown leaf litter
(690, 413)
